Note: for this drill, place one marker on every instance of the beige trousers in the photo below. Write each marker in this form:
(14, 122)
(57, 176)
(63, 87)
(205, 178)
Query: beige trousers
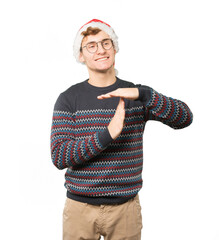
(82, 221)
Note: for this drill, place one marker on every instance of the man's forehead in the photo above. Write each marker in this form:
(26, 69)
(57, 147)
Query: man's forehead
(98, 37)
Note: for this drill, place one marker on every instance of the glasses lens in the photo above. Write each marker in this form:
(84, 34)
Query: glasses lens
(92, 47)
(107, 44)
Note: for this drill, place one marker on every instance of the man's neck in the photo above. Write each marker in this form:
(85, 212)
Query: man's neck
(102, 79)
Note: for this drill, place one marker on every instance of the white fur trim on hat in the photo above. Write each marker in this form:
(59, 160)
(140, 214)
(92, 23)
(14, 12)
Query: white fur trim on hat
(98, 24)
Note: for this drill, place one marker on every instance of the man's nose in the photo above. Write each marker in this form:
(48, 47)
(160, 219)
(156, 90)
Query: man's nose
(100, 48)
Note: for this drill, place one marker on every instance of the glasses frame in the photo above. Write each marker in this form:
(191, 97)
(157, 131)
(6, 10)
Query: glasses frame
(97, 44)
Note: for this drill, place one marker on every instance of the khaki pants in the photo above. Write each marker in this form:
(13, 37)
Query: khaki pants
(115, 222)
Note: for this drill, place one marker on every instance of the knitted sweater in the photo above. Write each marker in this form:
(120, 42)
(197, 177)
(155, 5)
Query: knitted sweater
(101, 170)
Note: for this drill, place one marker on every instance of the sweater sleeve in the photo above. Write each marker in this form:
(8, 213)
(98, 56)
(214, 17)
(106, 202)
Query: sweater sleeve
(172, 112)
(66, 151)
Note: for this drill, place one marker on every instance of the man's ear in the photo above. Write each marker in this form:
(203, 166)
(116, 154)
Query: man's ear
(81, 58)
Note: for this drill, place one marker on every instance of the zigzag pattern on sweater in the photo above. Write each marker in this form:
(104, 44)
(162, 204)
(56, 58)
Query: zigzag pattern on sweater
(171, 112)
(96, 170)
(92, 169)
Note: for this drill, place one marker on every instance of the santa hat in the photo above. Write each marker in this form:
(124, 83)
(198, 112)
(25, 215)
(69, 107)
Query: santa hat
(95, 23)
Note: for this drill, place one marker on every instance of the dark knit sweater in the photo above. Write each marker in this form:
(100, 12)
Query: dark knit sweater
(101, 170)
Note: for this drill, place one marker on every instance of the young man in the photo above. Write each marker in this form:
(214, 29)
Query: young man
(97, 134)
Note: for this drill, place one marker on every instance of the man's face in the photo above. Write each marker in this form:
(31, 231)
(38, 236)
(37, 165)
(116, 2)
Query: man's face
(100, 61)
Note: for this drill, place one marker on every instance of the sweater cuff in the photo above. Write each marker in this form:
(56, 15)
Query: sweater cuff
(144, 94)
(105, 137)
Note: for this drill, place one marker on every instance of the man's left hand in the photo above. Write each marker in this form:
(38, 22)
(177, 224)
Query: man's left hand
(129, 93)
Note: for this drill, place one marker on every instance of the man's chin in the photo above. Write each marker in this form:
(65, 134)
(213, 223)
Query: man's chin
(105, 70)
(102, 70)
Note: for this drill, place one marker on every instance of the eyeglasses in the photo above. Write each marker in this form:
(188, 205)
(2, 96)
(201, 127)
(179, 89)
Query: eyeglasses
(93, 46)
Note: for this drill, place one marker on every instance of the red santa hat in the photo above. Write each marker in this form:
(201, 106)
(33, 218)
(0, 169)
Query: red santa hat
(95, 23)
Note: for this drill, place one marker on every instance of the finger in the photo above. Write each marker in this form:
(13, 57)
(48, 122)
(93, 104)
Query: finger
(121, 104)
(109, 95)
(121, 100)
(103, 96)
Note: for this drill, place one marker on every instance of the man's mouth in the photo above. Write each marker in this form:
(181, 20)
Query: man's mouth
(101, 59)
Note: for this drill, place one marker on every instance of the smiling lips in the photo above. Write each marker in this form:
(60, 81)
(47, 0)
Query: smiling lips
(101, 59)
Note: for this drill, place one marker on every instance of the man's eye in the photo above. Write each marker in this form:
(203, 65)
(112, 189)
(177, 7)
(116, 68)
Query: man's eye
(91, 46)
(106, 42)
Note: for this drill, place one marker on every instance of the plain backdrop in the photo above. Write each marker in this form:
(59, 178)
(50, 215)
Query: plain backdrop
(171, 46)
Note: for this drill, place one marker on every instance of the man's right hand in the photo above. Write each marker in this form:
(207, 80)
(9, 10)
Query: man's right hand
(117, 122)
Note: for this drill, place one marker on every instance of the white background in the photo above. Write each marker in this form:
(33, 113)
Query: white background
(171, 46)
